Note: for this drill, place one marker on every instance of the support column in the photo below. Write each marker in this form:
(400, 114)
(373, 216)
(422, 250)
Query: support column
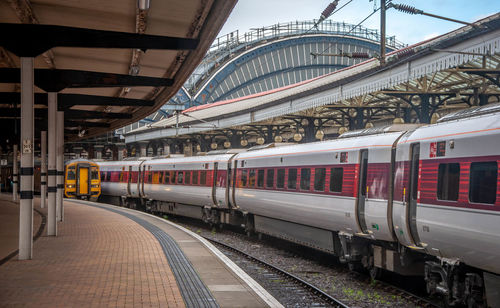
(144, 149)
(60, 166)
(166, 148)
(26, 174)
(43, 169)
(15, 174)
(120, 148)
(52, 166)
(98, 151)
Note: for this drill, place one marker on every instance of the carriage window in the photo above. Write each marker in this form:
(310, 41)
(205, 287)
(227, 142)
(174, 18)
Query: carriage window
(292, 178)
(260, 178)
(172, 177)
(167, 177)
(483, 182)
(336, 179)
(319, 179)
(305, 178)
(71, 175)
(203, 177)
(244, 178)
(121, 177)
(251, 178)
(270, 178)
(94, 174)
(187, 178)
(150, 177)
(160, 177)
(195, 177)
(108, 177)
(180, 177)
(448, 180)
(280, 181)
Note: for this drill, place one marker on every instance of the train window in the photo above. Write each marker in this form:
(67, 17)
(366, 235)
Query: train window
(94, 175)
(172, 177)
(319, 179)
(270, 178)
(305, 178)
(150, 177)
(448, 180)
(160, 177)
(292, 178)
(244, 178)
(251, 178)
(203, 177)
(260, 178)
(336, 179)
(71, 175)
(280, 181)
(121, 177)
(167, 177)
(483, 182)
(187, 178)
(108, 177)
(195, 177)
(180, 177)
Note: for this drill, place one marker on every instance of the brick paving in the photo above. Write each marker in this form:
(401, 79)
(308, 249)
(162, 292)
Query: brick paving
(98, 259)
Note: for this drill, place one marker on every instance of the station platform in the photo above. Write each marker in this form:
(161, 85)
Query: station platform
(105, 256)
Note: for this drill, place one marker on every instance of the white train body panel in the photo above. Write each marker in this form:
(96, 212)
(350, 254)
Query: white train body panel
(200, 195)
(327, 211)
(458, 229)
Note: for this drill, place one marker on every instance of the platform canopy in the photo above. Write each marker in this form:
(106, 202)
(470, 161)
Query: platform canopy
(112, 62)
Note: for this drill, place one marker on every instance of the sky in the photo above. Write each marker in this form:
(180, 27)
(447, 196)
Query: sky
(408, 29)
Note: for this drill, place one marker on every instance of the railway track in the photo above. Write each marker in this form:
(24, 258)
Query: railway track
(305, 294)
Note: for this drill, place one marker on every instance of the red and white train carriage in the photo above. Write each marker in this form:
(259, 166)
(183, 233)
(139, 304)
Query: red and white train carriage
(421, 200)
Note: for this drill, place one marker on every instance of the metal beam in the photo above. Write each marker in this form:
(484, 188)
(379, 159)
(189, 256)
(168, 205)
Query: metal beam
(56, 80)
(40, 38)
(69, 100)
(85, 114)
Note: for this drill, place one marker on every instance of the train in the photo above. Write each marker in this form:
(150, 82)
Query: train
(417, 200)
(82, 180)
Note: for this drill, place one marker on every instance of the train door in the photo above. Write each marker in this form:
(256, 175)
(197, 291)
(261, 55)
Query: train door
(229, 176)
(411, 209)
(214, 184)
(142, 179)
(129, 180)
(232, 185)
(362, 193)
(83, 177)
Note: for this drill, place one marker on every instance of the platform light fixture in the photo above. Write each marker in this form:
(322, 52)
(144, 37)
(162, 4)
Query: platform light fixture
(143, 4)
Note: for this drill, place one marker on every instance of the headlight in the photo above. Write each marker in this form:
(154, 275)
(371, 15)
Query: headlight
(70, 186)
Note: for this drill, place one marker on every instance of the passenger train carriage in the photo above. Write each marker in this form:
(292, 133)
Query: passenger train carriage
(416, 200)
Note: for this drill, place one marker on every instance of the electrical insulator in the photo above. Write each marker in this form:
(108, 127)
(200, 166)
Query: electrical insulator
(328, 11)
(360, 55)
(407, 9)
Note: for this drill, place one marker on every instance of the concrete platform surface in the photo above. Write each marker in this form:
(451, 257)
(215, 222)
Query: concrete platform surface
(101, 258)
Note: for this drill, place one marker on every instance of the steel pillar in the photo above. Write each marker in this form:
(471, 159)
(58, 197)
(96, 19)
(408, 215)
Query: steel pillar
(26, 174)
(15, 174)
(52, 165)
(43, 169)
(60, 165)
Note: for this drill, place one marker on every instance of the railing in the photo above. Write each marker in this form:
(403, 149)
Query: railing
(233, 39)
(226, 45)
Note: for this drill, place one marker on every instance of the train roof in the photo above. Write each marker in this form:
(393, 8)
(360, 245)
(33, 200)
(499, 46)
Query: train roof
(345, 144)
(455, 127)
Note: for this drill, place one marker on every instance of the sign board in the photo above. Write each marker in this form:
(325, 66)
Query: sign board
(27, 146)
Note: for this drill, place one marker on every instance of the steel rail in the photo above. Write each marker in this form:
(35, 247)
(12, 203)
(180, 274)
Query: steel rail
(314, 290)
